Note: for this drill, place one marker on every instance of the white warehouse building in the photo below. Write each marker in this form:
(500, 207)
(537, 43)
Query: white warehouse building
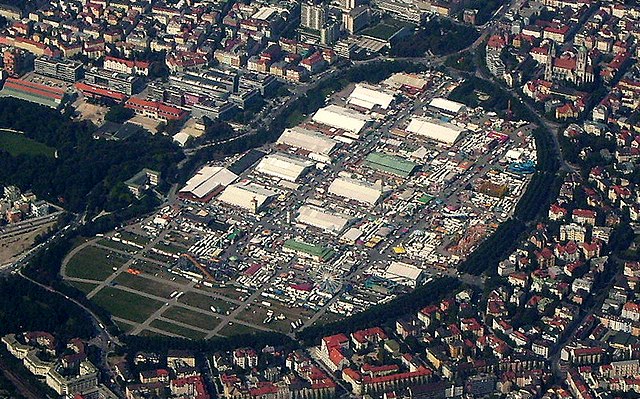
(328, 221)
(447, 106)
(283, 166)
(446, 133)
(403, 273)
(308, 140)
(368, 97)
(204, 184)
(342, 118)
(246, 195)
(357, 190)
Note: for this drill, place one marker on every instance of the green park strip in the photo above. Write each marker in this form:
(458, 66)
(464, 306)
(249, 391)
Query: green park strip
(84, 287)
(140, 283)
(19, 144)
(126, 305)
(190, 317)
(205, 302)
(237, 329)
(176, 329)
(94, 263)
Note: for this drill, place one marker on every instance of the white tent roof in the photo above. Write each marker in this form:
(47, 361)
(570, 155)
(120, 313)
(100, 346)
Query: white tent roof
(246, 195)
(283, 166)
(308, 140)
(361, 191)
(208, 179)
(403, 273)
(446, 105)
(368, 97)
(398, 80)
(341, 118)
(444, 133)
(323, 219)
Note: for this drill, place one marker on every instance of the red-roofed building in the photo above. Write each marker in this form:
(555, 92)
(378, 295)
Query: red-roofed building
(155, 109)
(584, 216)
(40, 94)
(556, 212)
(98, 92)
(194, 387)
(362, 338)
(126, 66)
(331, 350)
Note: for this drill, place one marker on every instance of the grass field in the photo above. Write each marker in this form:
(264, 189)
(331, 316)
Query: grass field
(84, 287)
(124, 327)
(94, 263)
(205, 302)
(18, 144)
(118, 245)
(237, 329)
(149, 333)
(176, 329)
(140, 283)
(138, 239)
(171, 248)
(229, 291)
(257, 314)
(190, 317)
(125, 304)
(161, 258)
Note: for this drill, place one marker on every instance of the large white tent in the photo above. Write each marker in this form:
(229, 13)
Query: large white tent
(323, 219)
(368, 97)
(308, 140)
(246, 195)
(357, 190)
(283, 166)
(446, 133)
(207, 180)
(447, 106)
(341, 118)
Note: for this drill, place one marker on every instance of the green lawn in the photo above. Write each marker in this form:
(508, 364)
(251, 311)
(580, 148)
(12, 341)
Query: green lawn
(171, 248)
(124, 327)
(257, 314)
(84, 287)
(19, 144)
(205, 302)
(138, 239)
(119, 246)
(190, 317)
(387, 28)
(149, 333)
(126, 305)
(140, 283)
(237, 329)
(94, 263)
(176, 329)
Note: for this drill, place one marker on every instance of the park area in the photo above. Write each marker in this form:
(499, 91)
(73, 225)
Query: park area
(16, 144)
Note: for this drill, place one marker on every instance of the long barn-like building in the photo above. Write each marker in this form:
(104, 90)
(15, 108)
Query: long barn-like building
(283, 166)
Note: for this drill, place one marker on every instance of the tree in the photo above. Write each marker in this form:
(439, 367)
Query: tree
(118, 114)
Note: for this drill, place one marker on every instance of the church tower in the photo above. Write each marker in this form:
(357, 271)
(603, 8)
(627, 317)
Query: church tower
(581, 65)
(548, 67)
